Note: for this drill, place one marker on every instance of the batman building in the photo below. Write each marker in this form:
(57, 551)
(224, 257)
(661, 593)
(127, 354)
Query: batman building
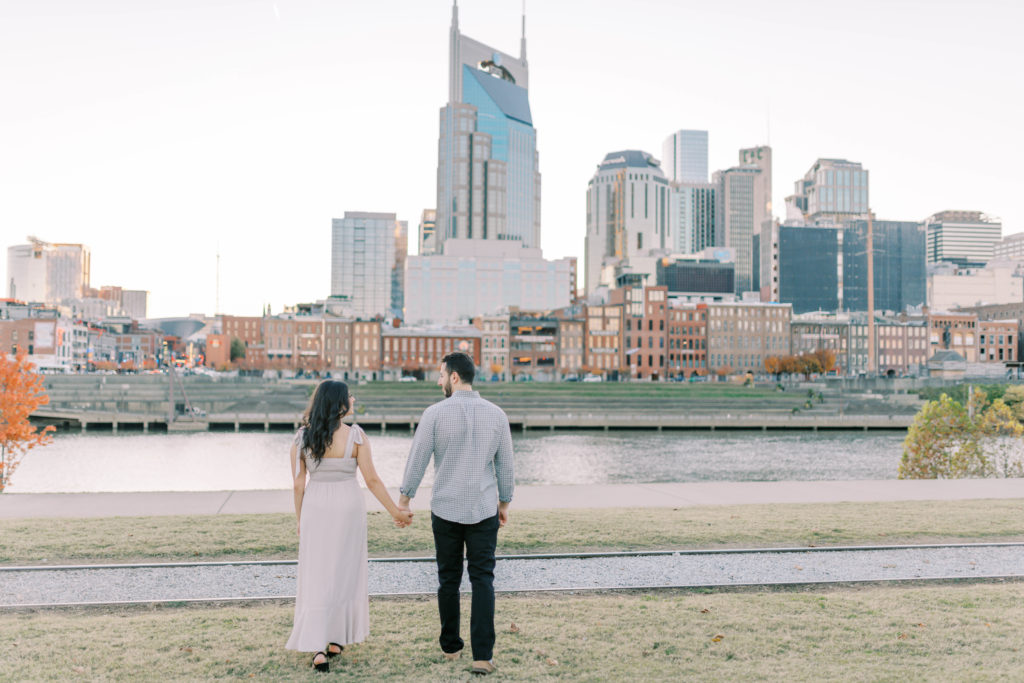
(488, 182)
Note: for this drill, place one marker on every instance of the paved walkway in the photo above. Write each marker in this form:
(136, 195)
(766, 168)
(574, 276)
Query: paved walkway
(27, 505)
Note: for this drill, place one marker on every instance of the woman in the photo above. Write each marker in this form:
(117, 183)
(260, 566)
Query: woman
(332, 605)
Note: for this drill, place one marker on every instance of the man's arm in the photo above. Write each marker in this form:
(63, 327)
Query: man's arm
(419, 458)
(504, 469)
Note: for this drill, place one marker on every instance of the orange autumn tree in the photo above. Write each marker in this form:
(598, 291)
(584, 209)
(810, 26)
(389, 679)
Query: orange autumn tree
(21, 392)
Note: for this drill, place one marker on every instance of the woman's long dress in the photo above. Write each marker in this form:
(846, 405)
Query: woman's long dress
(332, 603)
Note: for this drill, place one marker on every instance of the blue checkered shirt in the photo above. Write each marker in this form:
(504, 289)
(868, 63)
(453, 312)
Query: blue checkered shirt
(471, 442)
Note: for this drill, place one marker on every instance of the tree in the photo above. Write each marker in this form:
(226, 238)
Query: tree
(826, 359)
(237, 349)
(948, 440)
(21, 392)
(773, 365)
(789, 365)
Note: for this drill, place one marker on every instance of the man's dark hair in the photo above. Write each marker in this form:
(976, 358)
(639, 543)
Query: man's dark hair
(461, 364)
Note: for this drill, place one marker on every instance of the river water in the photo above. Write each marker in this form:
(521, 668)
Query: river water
(228, 461)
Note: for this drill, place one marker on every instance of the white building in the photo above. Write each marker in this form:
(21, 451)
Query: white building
(628, 214)
(950, 287)
(684, 156)
(483, 277)
(362, 260)
(1010, 247)
(964, 237)
(47, 272)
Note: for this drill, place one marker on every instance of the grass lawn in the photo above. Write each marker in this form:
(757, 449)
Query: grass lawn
(892, 633)
(272, 536)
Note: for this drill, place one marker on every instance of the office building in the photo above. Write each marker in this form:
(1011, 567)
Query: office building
(950, 286)
(766, 254)
(627, 215)
(697, 279)
(825, 268)
(363, 261)
(692, 217)
(899, 265)
(1011, 247)
(428, 227)
(46, 272)
(962, 237)
(477, 277)
(740, 214)
(741, 335)
(832, 191)
(684, 156)
(488, 176)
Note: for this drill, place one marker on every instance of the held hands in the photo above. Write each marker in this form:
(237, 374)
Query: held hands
(403, 517)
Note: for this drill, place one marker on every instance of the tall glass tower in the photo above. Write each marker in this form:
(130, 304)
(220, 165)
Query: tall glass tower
(684, 156)
(488, 180)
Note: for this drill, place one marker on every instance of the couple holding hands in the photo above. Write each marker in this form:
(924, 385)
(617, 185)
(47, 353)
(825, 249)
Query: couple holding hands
(471, 445)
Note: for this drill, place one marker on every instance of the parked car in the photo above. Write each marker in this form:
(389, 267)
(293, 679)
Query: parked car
(407, 378)
(592, 378)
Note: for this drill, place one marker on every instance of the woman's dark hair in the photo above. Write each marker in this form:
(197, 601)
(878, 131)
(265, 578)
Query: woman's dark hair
(321, 419)
(461, 364)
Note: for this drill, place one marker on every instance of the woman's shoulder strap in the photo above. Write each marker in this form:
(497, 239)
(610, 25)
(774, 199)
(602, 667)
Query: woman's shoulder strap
(356, 435)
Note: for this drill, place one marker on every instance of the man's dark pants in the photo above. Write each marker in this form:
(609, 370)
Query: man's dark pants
(479, 541)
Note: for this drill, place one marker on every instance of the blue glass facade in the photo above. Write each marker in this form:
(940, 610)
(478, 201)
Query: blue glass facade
(809, 268)
(503, 113)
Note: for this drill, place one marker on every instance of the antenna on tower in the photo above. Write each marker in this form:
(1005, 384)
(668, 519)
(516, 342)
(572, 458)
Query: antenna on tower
(522, 40)
(768, 121)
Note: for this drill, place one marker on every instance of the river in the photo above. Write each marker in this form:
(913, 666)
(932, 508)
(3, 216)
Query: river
(227, 461)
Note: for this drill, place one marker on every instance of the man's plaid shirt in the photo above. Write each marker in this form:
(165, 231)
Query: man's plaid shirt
(471, 442)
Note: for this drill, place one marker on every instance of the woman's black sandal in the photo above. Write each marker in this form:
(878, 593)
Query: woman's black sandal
(330, 655)
(322, 666)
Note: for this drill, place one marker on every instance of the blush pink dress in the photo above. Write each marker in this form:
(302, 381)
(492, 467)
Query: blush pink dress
(332, 603)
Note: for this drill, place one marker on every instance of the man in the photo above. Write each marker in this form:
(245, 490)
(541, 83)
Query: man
(471, 443)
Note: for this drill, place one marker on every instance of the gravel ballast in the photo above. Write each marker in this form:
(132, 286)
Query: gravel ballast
(24, 587)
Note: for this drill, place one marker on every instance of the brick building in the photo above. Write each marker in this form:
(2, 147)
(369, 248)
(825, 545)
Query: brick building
(603, 340)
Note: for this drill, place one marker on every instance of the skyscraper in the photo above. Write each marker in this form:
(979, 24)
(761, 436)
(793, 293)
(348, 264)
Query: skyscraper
(963, 237)
(47, 272)
(692, 216)
(825, 267)
(684, 156)
(627, 214)
(488, 177)
(766, 255)
(428, 228)
(740, 213)
(363, 261)
(833, 191)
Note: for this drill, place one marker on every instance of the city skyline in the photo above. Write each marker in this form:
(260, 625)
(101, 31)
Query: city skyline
(185, 129)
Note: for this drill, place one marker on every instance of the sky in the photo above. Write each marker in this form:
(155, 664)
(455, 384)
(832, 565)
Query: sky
(162, 133)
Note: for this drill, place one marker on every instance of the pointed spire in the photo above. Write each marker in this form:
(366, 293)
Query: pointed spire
(455, 15)
(522, 41)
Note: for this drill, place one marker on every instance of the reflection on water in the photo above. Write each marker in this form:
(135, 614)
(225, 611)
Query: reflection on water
(228, 461)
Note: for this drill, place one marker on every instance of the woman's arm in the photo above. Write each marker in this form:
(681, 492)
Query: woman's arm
(376, 486)
(298, 480)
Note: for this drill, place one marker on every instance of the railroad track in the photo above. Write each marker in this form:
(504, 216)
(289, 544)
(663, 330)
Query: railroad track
(244, 581)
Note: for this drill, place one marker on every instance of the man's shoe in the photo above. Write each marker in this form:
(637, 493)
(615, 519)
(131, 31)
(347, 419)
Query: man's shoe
(452, 656)
(482, 667)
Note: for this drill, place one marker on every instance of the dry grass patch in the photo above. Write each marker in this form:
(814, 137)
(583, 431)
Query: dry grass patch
(934, 632)
(227, 537)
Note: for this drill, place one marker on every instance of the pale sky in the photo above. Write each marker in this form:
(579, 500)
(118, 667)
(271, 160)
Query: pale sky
(155, 131)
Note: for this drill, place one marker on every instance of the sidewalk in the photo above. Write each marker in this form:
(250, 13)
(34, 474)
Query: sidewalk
(29, 505)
